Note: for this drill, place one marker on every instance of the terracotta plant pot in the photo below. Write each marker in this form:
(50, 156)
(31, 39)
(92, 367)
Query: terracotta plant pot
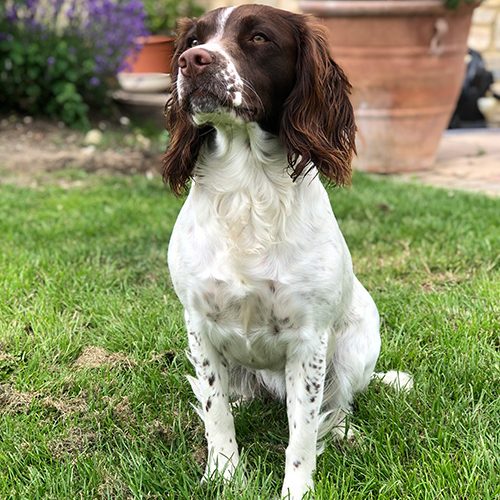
(155, 55)
(406, 62)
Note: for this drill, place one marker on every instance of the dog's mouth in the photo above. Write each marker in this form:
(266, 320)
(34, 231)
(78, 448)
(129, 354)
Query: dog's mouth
(206, 103)
(206, 100)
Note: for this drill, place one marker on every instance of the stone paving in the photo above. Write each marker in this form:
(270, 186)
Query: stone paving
(468, 159)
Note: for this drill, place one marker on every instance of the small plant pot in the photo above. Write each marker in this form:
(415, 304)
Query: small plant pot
(155, 55)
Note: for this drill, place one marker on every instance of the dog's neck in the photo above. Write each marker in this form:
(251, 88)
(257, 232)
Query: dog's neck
(237, 155)
(241, 177)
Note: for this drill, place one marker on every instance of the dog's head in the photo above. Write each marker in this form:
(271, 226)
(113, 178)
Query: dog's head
(258, 64)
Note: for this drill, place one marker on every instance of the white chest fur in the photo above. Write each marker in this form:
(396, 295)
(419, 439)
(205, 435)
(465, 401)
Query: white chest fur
(257, 260)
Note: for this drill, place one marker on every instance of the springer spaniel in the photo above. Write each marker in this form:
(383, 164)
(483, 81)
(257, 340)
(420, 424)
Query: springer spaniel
(257, 259)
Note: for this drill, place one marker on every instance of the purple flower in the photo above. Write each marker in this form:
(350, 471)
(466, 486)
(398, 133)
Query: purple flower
(31, 5)
(57, 6)
(94, 81)
(107, 28)
(71, 13)
(51, 61)
(11, 14)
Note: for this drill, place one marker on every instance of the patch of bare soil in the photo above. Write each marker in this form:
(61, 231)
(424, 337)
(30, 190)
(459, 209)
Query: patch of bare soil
(31, 148)
(121, 410)
(114, 487)
(436, 281)
(163, 359)
(5, 357)
(158, 431)
(96, 357)
(74, 443)
(7, 362)
(199, 455)
(13, 401)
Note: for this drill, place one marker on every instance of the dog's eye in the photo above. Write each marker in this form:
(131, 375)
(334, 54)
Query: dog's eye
(259, 38)
(193, 42)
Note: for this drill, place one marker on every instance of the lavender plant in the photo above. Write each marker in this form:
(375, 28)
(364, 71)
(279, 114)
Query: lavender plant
(57, 57)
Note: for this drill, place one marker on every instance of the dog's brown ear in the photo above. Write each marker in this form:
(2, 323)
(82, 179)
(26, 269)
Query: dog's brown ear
(185, 138)
(318, 121)
(183, 149)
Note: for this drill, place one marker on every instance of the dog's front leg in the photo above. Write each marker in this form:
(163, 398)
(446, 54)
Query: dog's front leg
(305, 377)
(211, 387)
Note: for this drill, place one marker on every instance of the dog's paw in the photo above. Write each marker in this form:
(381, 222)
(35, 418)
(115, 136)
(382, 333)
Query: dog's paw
(346, 434)
(400, 381)
(298, 490)
(220, 465)
(240, 401)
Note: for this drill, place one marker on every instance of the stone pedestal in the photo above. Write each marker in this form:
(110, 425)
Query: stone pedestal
(142, 106)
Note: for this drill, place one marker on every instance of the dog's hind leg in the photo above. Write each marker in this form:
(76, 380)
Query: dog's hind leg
(356, 346)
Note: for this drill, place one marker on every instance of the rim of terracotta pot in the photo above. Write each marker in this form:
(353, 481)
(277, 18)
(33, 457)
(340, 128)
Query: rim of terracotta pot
(361, 8)
(150, 39)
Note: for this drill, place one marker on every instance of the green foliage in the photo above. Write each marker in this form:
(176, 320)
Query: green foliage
(53, 78)
(57, 58)
(454, 4)
(47, 78)
(162, 15)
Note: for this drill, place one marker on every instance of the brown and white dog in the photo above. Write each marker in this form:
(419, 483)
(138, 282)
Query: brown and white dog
(257, 259)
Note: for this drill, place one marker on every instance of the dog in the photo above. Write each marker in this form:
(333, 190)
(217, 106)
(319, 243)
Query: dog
(258, 109)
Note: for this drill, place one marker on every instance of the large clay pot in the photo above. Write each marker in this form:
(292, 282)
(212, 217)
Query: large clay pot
(155, 56)
(406, 62)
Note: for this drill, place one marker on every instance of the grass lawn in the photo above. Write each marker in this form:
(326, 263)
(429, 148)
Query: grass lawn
(93, 398)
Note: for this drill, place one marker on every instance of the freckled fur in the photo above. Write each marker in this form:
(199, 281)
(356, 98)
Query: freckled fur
(256, 256)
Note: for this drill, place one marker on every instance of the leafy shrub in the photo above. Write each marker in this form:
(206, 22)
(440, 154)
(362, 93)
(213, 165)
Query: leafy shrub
(454, 4)
(57, 57)
(161, 15)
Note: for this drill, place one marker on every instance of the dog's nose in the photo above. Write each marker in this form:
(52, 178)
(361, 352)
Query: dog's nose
(194, 61)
